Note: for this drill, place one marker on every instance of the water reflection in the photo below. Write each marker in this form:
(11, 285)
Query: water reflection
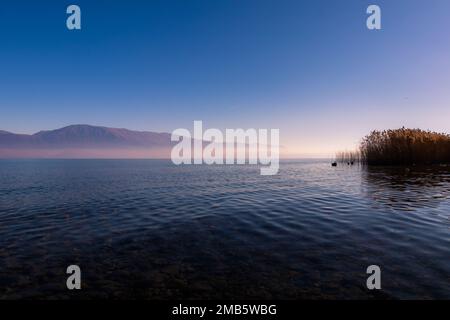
(407, 188)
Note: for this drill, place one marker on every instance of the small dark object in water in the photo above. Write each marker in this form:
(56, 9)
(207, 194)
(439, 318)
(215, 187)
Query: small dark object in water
(334, 164)
(351, 163)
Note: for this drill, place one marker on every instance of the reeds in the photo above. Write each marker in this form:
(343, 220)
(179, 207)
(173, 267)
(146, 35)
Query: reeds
(349, 157)
(401, 147)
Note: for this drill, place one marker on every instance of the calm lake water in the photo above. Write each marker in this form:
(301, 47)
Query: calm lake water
(149, 229)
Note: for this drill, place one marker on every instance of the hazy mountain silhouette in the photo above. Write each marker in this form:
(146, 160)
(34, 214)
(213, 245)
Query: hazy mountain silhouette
(80, 141)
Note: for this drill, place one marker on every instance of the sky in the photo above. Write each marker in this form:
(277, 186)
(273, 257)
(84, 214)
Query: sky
(309, 68)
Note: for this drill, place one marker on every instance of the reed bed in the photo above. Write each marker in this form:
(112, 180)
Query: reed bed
(401, 147)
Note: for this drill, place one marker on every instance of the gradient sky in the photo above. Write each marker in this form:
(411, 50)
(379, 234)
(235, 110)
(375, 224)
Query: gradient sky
(310, 68)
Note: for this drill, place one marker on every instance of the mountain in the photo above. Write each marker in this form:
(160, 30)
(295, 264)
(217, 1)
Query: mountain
(86, 141)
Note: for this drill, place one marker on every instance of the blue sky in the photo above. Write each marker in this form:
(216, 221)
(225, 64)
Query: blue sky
(310, 68)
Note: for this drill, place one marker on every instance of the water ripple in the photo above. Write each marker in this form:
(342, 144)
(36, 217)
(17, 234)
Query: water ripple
(148, 229)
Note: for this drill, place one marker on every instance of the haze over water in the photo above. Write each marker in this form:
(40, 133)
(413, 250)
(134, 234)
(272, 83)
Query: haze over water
(149, 229)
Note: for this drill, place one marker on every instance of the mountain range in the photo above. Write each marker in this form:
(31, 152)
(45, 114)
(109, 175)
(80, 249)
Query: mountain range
(86, 141)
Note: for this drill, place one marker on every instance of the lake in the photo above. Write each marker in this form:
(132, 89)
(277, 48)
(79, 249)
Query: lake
(147, 229)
